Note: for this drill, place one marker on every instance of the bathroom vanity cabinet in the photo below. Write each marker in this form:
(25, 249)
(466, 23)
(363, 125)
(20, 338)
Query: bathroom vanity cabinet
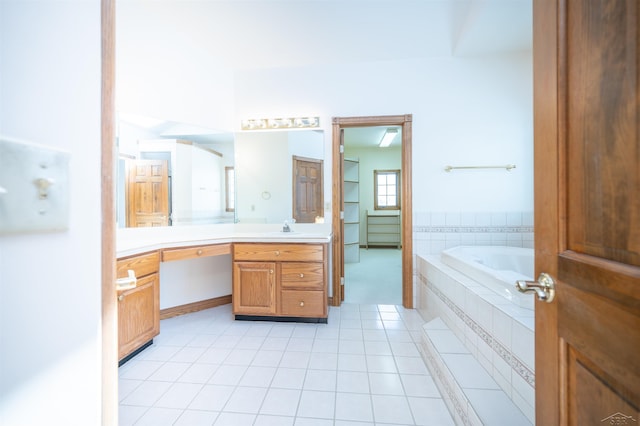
(280, 280)
(138, 307)
(269, 275)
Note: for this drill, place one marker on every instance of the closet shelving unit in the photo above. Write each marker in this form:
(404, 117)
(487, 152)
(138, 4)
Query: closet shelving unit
(351, 192)
(383, 229)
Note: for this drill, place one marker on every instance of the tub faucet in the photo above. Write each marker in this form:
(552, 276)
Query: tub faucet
(285, 227)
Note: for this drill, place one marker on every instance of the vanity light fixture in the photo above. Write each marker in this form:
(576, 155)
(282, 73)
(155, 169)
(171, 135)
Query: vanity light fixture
(388, 137)
(281, 123)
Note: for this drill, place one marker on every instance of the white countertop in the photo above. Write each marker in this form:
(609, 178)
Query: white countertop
(131, 241)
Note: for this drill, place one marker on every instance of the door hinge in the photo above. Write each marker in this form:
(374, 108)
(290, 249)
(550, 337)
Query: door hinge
(341, 280)
(342, 215)
(341, 149)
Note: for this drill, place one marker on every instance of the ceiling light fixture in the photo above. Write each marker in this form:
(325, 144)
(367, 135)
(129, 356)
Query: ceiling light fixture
(388, 137)
(280, 123)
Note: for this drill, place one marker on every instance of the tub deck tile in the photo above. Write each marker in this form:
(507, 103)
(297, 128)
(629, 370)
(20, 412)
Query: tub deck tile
(445, 341)
(472, 396)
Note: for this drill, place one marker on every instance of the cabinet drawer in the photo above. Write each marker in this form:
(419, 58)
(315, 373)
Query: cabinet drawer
(279, 252)
(143, 264)
(301, 303)
(195, 252)
(307, 276)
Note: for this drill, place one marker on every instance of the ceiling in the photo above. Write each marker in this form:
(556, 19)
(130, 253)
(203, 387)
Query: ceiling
(249, 34)
(370, 137)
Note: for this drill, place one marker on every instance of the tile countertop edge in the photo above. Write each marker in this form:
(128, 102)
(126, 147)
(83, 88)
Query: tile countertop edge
(133, 246)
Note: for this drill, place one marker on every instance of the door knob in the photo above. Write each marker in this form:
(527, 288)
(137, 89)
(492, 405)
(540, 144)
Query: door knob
(544, 287)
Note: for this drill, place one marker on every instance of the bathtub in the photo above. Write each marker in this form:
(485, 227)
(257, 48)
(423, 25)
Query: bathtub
(495, 267)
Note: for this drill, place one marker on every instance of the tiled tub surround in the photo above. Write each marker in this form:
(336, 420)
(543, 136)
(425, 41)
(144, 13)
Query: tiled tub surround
(496, 267)
(496, 333)
(436, 231)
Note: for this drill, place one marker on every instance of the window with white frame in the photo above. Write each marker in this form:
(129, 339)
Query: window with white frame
(230, 189)
(386, 188)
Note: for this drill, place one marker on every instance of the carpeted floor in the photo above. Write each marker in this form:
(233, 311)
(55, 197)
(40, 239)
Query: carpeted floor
(376, 279)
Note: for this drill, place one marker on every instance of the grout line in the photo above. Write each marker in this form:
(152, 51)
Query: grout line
(390, 335)
(507, 355)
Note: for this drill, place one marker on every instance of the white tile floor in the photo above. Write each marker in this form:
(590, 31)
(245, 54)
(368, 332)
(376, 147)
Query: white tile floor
(362, 368)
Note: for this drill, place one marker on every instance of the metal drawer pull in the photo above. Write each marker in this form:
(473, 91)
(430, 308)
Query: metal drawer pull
(301, 275)
(271, 271)
(277, 252)
(121, 298)
(199, 252)
(302, 303)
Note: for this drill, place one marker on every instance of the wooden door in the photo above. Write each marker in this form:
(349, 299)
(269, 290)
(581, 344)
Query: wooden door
(254, 288)
(308, 194)
(587, 210)
(147, 193)
(340, 190)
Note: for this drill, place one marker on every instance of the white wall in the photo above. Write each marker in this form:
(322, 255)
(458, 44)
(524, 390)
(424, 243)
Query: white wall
(466, 111)
(206, 185)
(163, 68)
(194, 280)
(263, 177)
(50, 344)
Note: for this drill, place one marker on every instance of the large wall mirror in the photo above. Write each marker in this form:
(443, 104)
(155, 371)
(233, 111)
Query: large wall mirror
(280, 176)
(175, 174)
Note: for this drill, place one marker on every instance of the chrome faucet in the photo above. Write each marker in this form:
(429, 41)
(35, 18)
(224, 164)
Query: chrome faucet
(285, 227)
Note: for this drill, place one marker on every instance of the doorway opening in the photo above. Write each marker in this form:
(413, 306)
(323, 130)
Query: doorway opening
(403, 123)
(372, 231)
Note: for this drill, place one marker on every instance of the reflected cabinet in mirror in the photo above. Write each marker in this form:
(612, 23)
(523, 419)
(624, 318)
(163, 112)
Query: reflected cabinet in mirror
(279, 176)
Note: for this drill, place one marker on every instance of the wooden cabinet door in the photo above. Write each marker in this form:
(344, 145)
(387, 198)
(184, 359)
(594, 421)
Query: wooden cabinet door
(138, 314)
(587, 210)
(254, 288)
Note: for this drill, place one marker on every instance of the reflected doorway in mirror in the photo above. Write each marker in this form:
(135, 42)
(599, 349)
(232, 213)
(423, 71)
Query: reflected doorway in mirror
(308, 196)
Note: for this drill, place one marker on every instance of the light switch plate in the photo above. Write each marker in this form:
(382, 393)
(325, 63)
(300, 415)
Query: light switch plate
(34, 188)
